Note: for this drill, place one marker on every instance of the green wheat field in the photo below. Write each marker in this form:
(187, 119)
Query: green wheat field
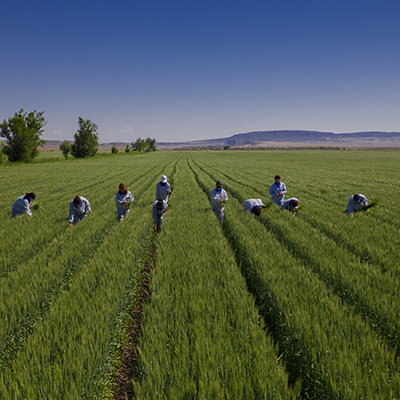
(272, 307)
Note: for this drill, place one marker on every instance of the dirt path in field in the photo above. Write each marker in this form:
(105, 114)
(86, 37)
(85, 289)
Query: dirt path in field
(128, 371)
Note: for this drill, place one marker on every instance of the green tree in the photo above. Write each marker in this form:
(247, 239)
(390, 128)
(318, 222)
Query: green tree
(151, 144)
(86, 140)
(127, 148)
(114, 150)
(139, 145)
(23, 132)
(66, 148)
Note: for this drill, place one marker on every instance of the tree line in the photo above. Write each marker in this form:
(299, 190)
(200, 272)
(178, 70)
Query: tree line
(23, 137)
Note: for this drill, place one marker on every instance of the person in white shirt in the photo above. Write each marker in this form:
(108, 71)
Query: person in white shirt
(356, 202)
(123, 199)
(254, 206)
(218, 199)
(277, 191)
(23, 205)
(291, 205)
(78, 209)
(163, 189)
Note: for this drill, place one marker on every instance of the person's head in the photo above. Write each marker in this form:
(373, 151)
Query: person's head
(257, 210)
(122, 188)
(163, 180)
(77, 200)
(31, 196)
(160, 204)
(294, 203)
(356, 198)
(277, 178)
(218, 185)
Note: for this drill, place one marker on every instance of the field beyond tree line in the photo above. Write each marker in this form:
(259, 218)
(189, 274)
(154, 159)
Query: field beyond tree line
(272, 307)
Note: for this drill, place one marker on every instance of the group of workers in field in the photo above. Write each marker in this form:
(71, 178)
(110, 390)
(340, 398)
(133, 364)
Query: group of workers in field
(277, 191)
(80, 206)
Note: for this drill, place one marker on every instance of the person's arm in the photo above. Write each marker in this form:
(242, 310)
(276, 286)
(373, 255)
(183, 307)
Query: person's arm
(224, 195)
(158, 195)
(350, 208)
(131, 198)
(118, 199)
(87, 205)
(283, 188)
(71, 215)
(271, 191)
(27, 207)
(364, 201)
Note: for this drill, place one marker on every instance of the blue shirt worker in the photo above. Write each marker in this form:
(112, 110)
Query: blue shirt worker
(123, 199)
(23, 205)
(254, 206)
(291, 205)
(159, 207)
(163, 189)
(356, 202)
(218, 198)
(277, 191)
(78, 209)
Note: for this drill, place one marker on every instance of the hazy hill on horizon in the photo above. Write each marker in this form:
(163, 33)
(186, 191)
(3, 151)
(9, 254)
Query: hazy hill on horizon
(283, 138)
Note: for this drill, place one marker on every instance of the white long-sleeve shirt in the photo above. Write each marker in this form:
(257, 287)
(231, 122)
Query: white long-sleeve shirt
(83, 208)
(288, 206)
(353, 206)
(22, 205)
(121, 197)
(249, 204)
(276, 189)
(217, 196)
(162, 192)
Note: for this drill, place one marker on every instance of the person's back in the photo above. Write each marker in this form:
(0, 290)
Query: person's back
(291, 204)
(252, 204)
(356, 202)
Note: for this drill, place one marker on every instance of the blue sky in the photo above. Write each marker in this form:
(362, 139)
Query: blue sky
(188, 70)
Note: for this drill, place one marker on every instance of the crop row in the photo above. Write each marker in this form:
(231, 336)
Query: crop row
(202, 337)
(332, 350)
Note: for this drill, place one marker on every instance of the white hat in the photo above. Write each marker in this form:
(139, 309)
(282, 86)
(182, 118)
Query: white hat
(164, 178)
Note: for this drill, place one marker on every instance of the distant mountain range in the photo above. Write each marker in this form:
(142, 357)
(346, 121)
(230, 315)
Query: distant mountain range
(278, 139)
(296, 139)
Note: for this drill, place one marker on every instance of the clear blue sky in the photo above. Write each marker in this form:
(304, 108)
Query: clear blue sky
(187, 70)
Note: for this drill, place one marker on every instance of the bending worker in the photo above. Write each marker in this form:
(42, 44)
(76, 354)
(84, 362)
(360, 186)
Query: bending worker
(356, 202)
(254, 206)
(277, 191)
(291, 205)
(23, 205)
(123, 198)
(159, 207)
(78, 209)
(218, 198)
(163, 189)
